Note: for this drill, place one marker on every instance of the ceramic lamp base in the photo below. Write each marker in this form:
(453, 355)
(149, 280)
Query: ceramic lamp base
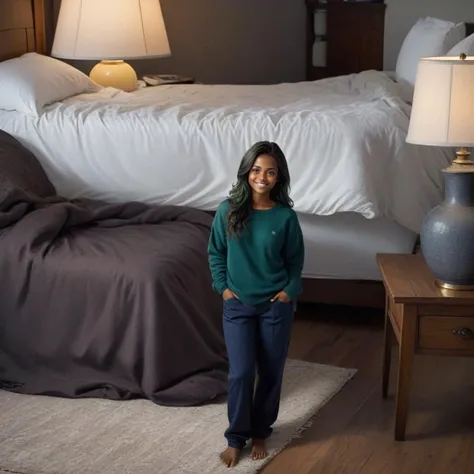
(117, 74)
(447, 232)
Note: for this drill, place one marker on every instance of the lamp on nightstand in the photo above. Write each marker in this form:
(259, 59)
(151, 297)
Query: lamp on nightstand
(443, 115)
(111, 31)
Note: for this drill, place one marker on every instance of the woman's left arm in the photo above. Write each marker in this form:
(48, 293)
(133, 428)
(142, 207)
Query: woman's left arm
(293, 254)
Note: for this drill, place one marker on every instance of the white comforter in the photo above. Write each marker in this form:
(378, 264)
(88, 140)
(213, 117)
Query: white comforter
(344, 139)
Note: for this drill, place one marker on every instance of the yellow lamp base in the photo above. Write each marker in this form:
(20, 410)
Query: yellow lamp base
(117, 74)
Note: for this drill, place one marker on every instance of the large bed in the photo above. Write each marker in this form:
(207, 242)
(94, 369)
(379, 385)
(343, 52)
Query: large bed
(358, 187)
(354, 180)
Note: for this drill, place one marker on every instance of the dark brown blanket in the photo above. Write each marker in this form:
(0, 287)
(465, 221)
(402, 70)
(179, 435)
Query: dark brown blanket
(99, 300)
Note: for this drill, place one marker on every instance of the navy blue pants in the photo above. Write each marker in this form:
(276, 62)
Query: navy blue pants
(256, 337)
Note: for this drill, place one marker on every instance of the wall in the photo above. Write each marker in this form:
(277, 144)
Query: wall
(263, 41)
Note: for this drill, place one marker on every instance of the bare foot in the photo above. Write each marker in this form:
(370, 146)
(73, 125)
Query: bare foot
(230, 457)
(259, 449)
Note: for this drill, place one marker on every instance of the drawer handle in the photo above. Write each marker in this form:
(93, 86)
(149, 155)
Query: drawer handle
(465, 333)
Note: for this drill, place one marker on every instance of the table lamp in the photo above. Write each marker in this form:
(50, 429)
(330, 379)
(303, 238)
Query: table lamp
(443, 115)
(111, 31)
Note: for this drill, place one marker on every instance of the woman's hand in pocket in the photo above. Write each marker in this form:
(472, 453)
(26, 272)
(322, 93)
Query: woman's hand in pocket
(228, 295)
(281, 296)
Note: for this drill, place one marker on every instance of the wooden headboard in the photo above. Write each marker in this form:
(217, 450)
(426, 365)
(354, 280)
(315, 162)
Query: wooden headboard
(22, 27)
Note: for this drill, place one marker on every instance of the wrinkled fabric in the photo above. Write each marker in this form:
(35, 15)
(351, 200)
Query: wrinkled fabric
(100, 300)
(344, 139)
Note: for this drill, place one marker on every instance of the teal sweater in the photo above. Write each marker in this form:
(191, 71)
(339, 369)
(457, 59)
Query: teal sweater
(267, 258)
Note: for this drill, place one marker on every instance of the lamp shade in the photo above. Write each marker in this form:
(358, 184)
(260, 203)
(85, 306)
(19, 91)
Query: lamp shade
(110, 30)
(443, 103)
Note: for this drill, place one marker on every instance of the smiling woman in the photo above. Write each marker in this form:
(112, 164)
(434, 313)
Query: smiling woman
(263, 170)
(263, 175)
(256, 255)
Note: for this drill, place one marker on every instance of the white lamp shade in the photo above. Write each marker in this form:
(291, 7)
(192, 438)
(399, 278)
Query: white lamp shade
(443, 103)
(110, 30)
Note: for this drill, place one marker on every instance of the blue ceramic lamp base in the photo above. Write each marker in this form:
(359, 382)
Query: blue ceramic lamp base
(447, 234)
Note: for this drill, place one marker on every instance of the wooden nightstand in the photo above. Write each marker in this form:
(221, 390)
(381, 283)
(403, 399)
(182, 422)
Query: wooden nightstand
(425, 320)
(353, 39)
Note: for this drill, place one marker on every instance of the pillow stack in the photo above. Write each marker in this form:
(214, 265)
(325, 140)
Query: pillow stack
(429, 37)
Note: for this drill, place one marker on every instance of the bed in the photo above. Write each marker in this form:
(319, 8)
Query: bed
(96, 299)
(358, 187)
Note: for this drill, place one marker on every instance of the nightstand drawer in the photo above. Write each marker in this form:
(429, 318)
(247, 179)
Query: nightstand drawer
(446, 333)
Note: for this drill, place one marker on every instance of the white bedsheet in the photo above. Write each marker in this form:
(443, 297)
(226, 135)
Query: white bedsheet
(344, 139)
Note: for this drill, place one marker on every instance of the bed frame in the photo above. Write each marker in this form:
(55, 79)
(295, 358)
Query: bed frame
(26, 25)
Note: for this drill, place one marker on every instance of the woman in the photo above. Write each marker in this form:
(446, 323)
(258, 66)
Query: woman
(256, 256)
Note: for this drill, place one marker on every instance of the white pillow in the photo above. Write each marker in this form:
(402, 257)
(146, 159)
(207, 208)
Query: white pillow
(427, 38)
(465, 46)
(32, 81)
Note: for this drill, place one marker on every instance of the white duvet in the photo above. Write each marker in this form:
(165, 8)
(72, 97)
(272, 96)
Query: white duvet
(344, 139)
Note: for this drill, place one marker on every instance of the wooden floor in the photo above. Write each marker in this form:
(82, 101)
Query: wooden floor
(353, 433)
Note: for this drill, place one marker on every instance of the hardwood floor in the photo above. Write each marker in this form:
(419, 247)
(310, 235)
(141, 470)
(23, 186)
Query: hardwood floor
(353, 433)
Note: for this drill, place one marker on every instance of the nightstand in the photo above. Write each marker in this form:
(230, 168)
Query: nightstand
(352, 37)
(424, 319)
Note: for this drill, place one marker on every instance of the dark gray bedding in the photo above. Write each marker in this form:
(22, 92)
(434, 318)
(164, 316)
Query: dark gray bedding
(100, 300)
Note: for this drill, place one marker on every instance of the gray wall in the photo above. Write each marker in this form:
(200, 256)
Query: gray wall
(263, 41)
(238, 41)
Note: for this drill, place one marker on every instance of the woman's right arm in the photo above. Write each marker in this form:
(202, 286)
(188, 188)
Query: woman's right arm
(217, 250)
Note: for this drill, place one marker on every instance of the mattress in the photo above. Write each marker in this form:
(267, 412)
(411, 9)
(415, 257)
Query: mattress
(344, 246)
(344, 139)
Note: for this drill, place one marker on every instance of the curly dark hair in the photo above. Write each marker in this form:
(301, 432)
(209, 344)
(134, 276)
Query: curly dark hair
(240, 196)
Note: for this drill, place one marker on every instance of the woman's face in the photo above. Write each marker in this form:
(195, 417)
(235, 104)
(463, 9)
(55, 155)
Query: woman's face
(263, 175)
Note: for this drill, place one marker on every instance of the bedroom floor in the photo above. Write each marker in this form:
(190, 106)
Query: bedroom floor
(353, 433)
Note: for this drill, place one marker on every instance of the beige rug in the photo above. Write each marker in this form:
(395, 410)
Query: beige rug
(45, 435)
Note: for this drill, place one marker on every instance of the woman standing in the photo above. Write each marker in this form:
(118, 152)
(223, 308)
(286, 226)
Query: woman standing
(256, 256)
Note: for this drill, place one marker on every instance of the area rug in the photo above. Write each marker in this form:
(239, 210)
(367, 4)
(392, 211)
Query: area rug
(46, 435)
